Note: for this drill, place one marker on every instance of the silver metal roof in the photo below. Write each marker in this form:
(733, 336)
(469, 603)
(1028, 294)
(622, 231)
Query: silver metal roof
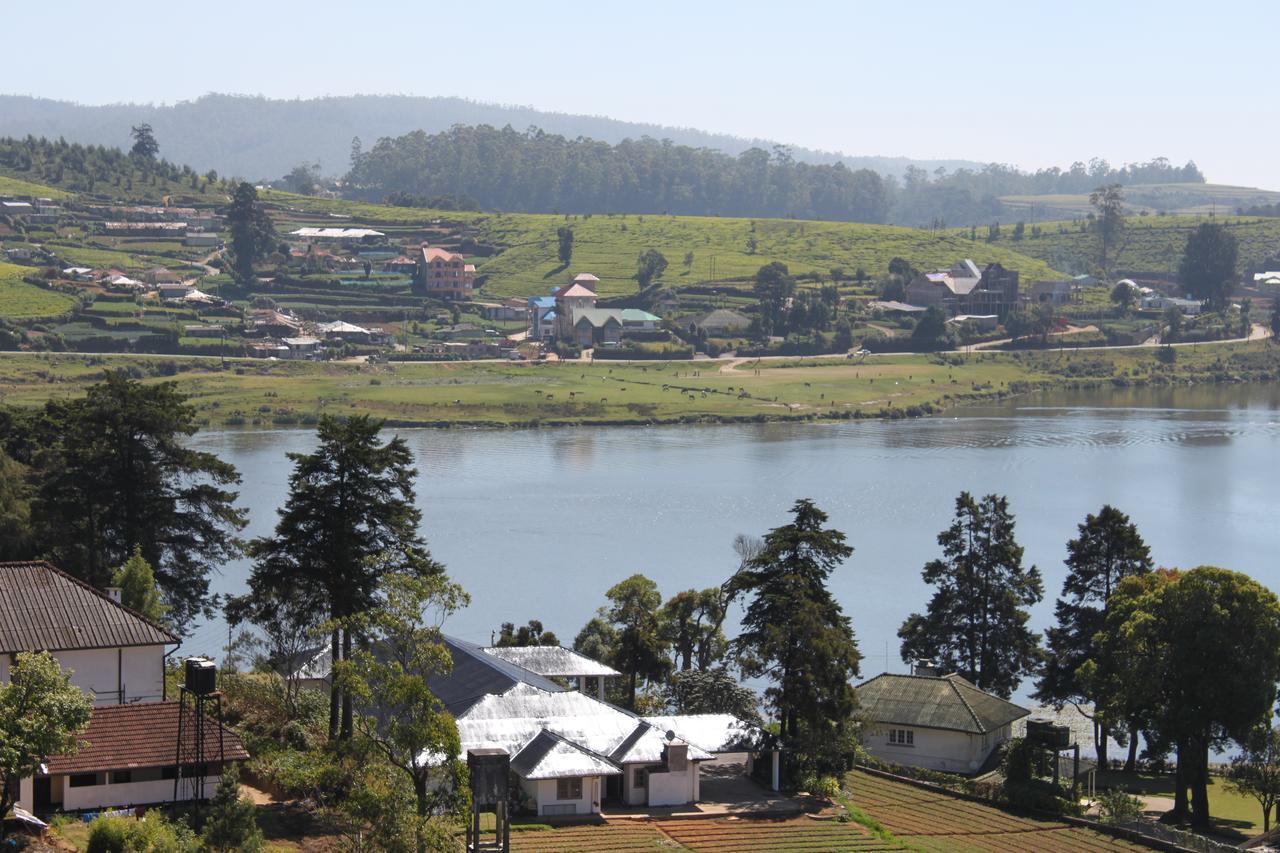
(552, 661)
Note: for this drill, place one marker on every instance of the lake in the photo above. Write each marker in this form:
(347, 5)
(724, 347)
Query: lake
(538, 524)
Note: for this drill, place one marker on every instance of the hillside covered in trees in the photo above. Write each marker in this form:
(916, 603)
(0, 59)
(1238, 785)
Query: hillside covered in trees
(539, 172)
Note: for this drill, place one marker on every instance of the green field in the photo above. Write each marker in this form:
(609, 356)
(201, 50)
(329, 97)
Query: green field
(260, 393)
(17, 186)
(607, 245)
(1178, 199)
(1150, 243)
(20, 300)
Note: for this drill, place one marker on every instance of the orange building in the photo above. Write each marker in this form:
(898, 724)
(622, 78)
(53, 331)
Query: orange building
(446, 274)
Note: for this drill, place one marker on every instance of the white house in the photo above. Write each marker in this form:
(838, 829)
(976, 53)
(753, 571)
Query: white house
(116, 656)
(939, 722)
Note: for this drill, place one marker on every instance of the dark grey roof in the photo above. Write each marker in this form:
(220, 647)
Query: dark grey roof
(476, 674)
(936, 702)
(45, 609)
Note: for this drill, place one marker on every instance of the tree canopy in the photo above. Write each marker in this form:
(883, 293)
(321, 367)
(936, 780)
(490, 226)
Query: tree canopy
(1209, 261)
(115, 474)
(976, 623)
(795, 633)
(252, 231)
(349, 519)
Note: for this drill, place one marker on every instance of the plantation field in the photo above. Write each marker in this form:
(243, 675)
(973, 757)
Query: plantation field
(1180, 199)
(1151, 243)
(17, 186)
(929, 821)
(608, 245)
(794, 835)
(19, 300)
(263, 393)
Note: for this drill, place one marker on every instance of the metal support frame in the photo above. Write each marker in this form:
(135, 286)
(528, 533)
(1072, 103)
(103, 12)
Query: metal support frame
(192, 755)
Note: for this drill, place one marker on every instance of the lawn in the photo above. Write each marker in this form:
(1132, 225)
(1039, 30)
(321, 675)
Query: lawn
(930, 821)
(20, 300)
(1234, 814)
(782, 835)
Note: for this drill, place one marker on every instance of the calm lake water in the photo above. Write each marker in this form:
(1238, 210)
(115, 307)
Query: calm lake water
(538, 524)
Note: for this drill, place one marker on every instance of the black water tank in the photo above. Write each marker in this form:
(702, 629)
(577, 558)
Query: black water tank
(201, 676)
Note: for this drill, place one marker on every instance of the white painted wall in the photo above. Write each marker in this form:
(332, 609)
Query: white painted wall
(101, 673)
(935, 749)
(674, 789)
(543, 791)
(126, 795)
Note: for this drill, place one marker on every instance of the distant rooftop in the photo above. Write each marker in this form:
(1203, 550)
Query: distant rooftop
(552, 661)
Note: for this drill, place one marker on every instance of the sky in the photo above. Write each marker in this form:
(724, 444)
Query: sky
(1028, 83)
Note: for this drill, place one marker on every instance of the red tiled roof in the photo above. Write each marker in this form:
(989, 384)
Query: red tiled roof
(45, 609)
(144, 734)
(430, 253)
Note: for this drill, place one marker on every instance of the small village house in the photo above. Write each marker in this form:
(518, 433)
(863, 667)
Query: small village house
(571, 300)
(938, 722)
(542, 317)
(964, 289)
(597, 327)
(117, 658)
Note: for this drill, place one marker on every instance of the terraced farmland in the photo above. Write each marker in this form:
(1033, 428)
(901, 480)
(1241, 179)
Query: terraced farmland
(930, 821)
(794, 835)
(622, 837)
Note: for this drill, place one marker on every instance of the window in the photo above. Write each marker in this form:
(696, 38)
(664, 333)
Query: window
(569, 789)
(121, 777)
(83, 780)
(640, 777)
(902, 737)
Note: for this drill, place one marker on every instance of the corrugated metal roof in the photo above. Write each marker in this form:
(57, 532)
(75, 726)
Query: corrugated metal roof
(713, 732)
(45, 609)
(140, 735)
(936, 702)
(552, 661)
(511, 720)
(550, 756)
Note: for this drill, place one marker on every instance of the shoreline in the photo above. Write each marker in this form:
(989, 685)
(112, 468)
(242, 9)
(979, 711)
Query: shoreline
(489, 396)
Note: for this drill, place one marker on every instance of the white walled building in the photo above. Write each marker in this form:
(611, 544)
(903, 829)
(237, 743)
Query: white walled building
(938, 722)
(117, 657)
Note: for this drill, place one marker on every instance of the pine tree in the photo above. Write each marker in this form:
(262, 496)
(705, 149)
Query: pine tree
(1107, 550)
(350, 518)
(231, 824)
(976, 623)
(795, 633)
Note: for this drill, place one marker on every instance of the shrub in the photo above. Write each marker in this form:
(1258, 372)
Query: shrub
(152, 834)
(1116, 806)
(231, 824)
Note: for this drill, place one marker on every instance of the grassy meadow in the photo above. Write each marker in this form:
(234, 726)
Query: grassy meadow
(17, 186)
(263, 394)
(608, 245)
(20, 300)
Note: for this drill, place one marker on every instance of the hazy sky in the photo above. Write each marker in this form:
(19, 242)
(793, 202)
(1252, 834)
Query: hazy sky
(1029, 83)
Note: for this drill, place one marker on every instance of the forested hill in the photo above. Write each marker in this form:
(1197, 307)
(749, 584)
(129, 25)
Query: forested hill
(536, 172)
(262, 139)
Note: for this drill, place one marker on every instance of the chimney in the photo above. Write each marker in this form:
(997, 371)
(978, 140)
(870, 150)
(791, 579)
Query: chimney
(113, 593)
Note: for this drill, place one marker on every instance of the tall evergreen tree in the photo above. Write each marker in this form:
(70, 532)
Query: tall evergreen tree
(232, 824)
(252, 231)
(349, 519)
(138, 590)
(976, 623)
(115, 473)
(1107, 550)
(795, 633)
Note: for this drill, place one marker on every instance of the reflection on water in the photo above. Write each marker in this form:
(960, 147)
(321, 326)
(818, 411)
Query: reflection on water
(538, 524)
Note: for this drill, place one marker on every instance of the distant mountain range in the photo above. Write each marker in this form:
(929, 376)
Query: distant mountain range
(260, 139)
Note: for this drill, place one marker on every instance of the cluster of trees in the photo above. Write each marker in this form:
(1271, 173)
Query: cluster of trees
(793, 633)
(971, 196)
(534, 172)
(99, 168)
(1186, 660)
(784, 310)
